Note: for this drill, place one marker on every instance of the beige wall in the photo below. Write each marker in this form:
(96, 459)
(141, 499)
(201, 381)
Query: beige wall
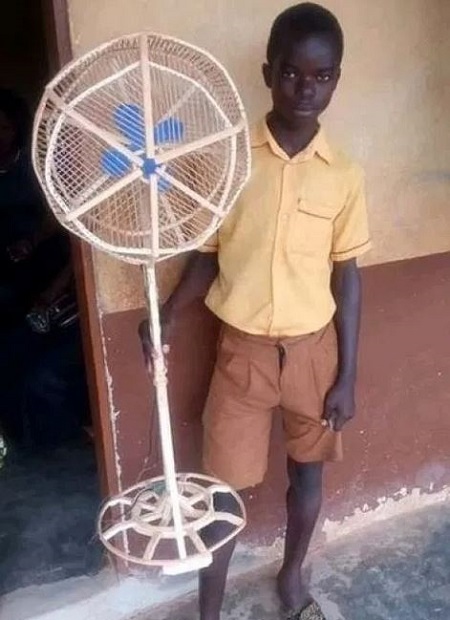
(391, 113)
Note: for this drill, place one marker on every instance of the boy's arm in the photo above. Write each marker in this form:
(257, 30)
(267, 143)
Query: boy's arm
(198, 275)
(346, 287)
(200, 272)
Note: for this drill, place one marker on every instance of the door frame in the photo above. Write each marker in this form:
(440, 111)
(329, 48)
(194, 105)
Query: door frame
(56, 23)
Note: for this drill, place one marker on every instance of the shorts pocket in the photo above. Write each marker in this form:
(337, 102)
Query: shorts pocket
(234, 370)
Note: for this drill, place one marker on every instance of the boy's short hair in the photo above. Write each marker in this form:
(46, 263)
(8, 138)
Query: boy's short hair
(300, 21)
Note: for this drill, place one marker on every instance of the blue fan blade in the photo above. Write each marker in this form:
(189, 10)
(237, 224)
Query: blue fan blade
(115, 164)
(129, 119)
(163, 185)
(169, 130)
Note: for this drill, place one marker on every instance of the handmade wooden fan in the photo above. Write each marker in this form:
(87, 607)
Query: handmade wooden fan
(141, 148)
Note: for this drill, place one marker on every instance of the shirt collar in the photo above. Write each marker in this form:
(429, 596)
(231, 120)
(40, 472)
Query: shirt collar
(261, 135)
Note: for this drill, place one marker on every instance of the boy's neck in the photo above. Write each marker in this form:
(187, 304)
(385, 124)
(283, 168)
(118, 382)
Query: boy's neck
(292, 140)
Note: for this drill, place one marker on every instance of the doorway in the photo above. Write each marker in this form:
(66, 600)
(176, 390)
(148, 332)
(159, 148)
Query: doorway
(49, 490)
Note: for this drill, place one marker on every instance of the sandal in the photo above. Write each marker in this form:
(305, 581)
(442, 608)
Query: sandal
(310, 612)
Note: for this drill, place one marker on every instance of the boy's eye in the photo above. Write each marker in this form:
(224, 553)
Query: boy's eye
(288, 74)
(324, 77)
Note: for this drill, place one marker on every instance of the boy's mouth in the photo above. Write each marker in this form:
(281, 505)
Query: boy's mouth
(304, 109)
(304, 104)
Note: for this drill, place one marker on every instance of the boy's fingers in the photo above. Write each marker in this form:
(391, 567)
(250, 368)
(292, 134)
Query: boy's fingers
(144, 334)
(149, 368)
(329, 420)
(166, 327)
(147, 346)
(328, 411)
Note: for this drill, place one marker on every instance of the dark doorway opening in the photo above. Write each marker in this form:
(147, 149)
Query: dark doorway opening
(49, 492)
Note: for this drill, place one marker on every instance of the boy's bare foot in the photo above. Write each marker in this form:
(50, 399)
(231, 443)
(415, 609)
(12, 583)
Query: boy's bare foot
(292, 591)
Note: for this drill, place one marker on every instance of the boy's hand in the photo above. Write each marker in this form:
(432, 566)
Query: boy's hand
(339, 405)
(146, 342)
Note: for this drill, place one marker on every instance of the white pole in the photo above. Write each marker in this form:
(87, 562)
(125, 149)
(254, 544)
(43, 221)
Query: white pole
(165, 430)
(159, 366)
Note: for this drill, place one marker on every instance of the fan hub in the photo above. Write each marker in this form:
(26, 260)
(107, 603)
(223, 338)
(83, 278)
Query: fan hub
(149, 167)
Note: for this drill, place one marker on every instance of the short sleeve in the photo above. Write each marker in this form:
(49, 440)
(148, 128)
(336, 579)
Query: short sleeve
(211, 245)
(351, 230)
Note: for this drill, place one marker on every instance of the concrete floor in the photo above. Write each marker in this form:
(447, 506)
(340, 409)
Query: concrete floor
(48, 506)
(396, 570)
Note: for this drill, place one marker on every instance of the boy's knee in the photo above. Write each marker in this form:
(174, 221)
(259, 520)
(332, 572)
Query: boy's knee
(218, 530)
(306, 478)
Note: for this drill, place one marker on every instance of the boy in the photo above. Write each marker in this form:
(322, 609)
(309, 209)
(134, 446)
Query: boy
(281, 274)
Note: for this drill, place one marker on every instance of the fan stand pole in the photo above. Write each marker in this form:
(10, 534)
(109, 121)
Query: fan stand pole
(165, 430)
(159, 365)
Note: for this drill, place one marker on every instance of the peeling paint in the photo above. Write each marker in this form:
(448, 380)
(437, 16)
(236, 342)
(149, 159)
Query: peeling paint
(400, 503)
(113, 412)
(113, 416)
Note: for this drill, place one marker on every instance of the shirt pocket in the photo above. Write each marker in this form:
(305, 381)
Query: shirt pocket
(311, 228)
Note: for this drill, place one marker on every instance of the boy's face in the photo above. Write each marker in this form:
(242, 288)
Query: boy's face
(303, 79)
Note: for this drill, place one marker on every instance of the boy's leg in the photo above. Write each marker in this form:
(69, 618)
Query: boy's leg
(309, 371)
(237, 424)
(212, 580)
(303, 500)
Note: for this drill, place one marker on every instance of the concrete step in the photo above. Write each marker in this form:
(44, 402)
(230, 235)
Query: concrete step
(395, 570)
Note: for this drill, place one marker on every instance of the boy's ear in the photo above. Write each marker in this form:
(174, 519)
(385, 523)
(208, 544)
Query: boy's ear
(267, 74)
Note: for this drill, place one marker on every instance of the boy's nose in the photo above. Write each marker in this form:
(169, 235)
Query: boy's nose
(306, 87)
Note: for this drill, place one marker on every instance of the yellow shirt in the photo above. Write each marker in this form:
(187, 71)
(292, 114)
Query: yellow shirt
(275, 249)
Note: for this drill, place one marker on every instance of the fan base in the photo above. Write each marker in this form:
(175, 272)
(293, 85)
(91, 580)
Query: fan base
(137, 525)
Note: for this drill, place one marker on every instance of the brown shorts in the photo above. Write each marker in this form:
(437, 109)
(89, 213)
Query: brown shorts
(255, 376)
